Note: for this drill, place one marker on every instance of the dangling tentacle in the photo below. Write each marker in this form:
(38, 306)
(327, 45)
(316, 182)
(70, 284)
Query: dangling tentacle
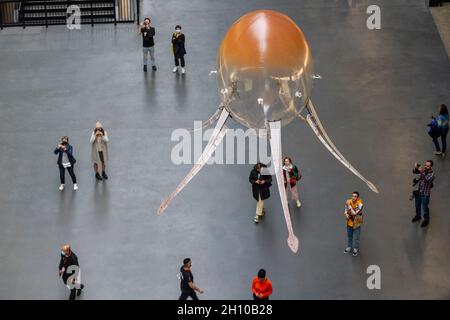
(313, 120)
(208, 122)
(275, 145)
(216, 137)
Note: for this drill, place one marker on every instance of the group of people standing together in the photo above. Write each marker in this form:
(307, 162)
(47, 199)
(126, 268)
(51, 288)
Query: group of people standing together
(261, 183)
(148, 46)
(99, 156)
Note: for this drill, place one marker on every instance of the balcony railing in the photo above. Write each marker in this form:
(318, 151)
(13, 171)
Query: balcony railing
(59, 12)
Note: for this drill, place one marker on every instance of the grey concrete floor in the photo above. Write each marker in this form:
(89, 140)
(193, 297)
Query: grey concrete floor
(379, 89)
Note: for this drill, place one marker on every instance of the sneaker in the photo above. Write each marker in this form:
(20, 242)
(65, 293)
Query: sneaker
(75, 186)
(347, 250)
(256, 219)
(154, 68)
(183, 70)
(424, 223)
(104, 175)
(438, 153)
(97, 175)
(416, 218)
(61, 187)
(145, 68)
(299, 204)
(175, 69)
(355, 252)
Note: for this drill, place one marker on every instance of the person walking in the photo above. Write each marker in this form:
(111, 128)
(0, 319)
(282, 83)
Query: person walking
(178, 48)
(354, 216)
(261, 286)
(148, 43)
(422, 197)
(66, 160)
(70, 272)
(260, 188)
(442, 128)
(99, 150)
(187, 285)
(291, 174)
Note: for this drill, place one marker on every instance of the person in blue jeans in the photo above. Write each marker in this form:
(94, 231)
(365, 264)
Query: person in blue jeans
(422, 195)
(148, 43)
(354, 215)
(442, 126)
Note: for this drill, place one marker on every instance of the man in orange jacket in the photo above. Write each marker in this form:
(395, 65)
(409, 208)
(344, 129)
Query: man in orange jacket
(261, 286)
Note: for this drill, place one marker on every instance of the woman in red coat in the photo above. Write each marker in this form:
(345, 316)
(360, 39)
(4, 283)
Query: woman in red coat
(261, 286)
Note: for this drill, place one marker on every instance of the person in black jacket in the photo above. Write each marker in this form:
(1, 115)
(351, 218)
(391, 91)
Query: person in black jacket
(178, 48)
(65, 161)
(69, 271)
(260, 187)
(148, 44)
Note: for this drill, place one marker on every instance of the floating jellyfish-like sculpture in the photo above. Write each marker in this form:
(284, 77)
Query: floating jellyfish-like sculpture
(265, 77)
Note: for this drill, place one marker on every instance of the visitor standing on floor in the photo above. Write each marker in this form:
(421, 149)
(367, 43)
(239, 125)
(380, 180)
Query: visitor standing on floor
(422, 197)
(354, 216)
(66, 160)
(148, 43)
(260, 188)
(70, 272)
(291, 177)
(187, 285)
(441, 129)
(99, 150)
(179, 50)
(261, 286)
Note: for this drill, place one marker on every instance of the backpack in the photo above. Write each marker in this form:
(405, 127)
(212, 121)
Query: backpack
(433, 129)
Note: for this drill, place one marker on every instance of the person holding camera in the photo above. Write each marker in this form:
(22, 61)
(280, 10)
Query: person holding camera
(354, 215)
(422, 196)
(260, 188)
(148, 44)
(65, 161)
(99, 150)
(178, 49)
(291, 174)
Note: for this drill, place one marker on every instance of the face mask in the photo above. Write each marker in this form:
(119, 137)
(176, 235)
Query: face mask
(62, 252)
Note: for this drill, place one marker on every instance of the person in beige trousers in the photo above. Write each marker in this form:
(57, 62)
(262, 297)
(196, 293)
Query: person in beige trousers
(99, 150)
(260, 188)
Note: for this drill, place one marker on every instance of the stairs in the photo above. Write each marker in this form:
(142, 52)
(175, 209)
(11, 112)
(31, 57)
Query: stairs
(34, 12)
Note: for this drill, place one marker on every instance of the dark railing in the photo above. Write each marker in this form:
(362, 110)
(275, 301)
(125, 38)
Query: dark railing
(54, 12)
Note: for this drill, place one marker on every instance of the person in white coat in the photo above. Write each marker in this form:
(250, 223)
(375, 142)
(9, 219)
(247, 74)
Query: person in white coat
(99, 150)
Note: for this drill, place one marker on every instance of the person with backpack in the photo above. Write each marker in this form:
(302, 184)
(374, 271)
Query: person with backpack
(291, 175)
(440, 130)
